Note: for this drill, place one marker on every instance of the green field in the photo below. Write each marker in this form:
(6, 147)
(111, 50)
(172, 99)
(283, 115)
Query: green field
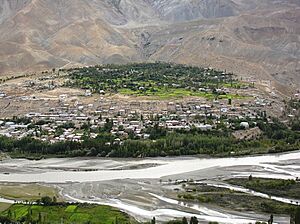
(82, 213)
(169, 93)
(166, 93)
(158, 80)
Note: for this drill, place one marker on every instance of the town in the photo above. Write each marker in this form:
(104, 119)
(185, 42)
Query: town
(131, 117)
(58, 113)
(82, 113)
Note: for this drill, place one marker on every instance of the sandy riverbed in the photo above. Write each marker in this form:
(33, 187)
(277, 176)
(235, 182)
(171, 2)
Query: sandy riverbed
(136, 186)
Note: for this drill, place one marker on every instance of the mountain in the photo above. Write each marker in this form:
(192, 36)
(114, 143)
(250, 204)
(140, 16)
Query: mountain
(257, 38)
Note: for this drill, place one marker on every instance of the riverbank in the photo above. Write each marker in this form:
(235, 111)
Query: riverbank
(240, 153)
(281, 188)
(27, 192)
(128, 184)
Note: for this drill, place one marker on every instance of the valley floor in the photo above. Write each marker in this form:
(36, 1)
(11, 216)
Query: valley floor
(145, 191)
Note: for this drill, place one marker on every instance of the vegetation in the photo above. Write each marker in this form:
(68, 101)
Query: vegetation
(173, 144)
(239, 201)
(276, 187)
(47, 210)
(184, 220)
(64, 213)
(162, 80)
(234, 200)
(296, 216)
(277, 138)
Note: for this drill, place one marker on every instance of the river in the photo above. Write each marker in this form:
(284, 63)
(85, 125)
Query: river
(133, 184)
(163, 167)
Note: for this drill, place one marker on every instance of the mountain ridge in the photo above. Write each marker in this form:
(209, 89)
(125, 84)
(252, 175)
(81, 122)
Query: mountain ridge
(257, 39)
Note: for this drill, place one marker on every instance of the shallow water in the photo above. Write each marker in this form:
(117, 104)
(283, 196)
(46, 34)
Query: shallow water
(92, 170)
(163, 214)
(3, 200)
(167, 167)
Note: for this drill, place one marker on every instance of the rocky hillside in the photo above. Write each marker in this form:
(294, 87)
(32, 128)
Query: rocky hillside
(257, 38)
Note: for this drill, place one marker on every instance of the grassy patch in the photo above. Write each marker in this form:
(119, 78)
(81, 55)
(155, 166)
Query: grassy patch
(159, 80)
(281, 188)
(71, 208)
(30, 192)
(17, 211)
(81, 213)
(234, 200)
(169, 93)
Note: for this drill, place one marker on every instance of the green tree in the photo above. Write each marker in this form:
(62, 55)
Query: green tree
(297, 215)
(153, 221)
(194, 220)
(54, 199)
(184, 220)
(46, 200)
(250, 178)
(270, 221)
(40, 218)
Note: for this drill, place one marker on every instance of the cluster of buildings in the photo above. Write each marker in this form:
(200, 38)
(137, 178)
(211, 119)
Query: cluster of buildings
(69, 117)
(70, 121)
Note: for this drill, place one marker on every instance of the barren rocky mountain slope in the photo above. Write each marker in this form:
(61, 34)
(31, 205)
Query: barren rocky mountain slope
(257, 38)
